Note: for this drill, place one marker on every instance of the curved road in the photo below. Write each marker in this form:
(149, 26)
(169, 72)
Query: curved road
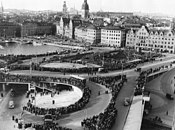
(162, 107)
(100, 102)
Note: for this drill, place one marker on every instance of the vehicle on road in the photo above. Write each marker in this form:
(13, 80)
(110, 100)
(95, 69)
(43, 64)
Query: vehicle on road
(138, 69)
(127, 101)
(48, 119)
(11, 105)
(169, 96)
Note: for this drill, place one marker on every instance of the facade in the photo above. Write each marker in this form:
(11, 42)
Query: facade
(151, 39)
(37, 28)
(8, 29)
(113, 36)
(81, 33)
(44, 28)
(89, 34)
(69, 29)
(131, 38)
(66, 27)
(28, 29)
(60, 27)
(85, 10)
(93, 34)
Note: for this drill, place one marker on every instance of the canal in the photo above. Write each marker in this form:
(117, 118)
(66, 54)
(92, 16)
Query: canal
(26, 49)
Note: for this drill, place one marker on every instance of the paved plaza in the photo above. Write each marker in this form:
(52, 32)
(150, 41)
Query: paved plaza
(63, 99)
(63, 65)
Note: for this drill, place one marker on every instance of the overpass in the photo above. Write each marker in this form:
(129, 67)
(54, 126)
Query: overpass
(31, 86)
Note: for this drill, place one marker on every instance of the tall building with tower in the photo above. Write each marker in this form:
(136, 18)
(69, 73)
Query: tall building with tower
(1, 10)
(65, 8)
(85, 10)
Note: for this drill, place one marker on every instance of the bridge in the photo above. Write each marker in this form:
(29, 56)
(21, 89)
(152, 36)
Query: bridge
(31, 86)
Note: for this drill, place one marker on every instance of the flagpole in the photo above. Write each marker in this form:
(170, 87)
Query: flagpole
(30, 68)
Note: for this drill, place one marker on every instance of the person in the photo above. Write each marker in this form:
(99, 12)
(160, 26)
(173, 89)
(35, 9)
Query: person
(13, 117)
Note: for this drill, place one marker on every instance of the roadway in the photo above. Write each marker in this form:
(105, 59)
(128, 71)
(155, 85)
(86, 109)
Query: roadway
(6, 114)
(161, 106)
(73, 120)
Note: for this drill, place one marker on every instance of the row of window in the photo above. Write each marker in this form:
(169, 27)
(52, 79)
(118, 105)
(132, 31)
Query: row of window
(161, 46)
(110, 31)
(115, 42)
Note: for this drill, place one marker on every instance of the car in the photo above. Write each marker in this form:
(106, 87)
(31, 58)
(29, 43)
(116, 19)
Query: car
(11, 105)
(169, 96)
(138, 69)
(127, 101)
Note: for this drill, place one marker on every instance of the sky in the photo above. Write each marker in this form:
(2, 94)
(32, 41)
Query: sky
(146, 6)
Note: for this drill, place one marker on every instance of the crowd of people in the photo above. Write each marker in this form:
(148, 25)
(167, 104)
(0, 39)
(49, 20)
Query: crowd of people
(38, 79)
(140, 84)
(114, 60)
(142, 79)
(120, 59)
(44, 126)
(106, 119)
(52, 126)
(56, 88)
(58, 112)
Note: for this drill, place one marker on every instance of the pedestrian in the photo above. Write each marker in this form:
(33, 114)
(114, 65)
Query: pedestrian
(13, 117)
(98, 92)
(167, 113)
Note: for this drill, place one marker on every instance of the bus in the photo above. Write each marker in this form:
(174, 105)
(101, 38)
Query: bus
(78, 78)
(48, 119)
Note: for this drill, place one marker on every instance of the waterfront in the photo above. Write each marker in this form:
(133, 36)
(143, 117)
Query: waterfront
(26, 49)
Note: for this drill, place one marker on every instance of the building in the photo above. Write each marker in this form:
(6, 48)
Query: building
(113, 36)
(88, 34)
(9, 29)
(37, 28)
(28, 29)
(1, 11)
(69, 29)
(44, 28)
(85, 10)
(131, 38)
(93, 34)
(152, 39)
(66, 26)
(81, 33)
(65, 8)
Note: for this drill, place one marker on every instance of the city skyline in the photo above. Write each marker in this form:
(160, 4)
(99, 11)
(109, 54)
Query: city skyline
(145, 6)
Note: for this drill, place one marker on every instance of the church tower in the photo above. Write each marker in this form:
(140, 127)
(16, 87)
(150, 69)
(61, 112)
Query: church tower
(65, 8)
(2, 10)
(85, 10)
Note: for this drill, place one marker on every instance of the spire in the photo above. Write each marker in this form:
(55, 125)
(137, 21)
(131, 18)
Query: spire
(2, 8)
(64, 8)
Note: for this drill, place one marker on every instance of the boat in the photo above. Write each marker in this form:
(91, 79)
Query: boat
(1, 47)
(37, 44)
(9, 41)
